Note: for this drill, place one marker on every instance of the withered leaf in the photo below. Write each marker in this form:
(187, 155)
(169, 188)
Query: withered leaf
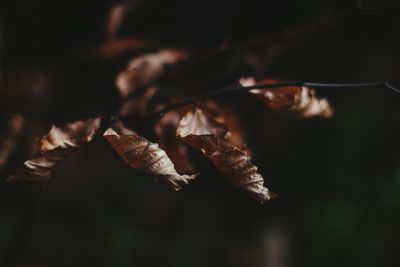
(296, 100)
(141, 154)
(114, 48)
(237, 167)
(146, 70)
(116, 17)
(57, 145)
(203, 132)
(8, 142)
(226, 115)
(200, 131)
(177, 150)
(138, 104)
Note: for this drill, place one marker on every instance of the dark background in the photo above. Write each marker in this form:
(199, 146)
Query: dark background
(338, 179)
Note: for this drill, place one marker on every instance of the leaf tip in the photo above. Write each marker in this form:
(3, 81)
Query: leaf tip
(265, 196)
(109, 131)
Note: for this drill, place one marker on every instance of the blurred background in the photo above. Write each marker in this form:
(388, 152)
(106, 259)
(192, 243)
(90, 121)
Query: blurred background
(338, 180)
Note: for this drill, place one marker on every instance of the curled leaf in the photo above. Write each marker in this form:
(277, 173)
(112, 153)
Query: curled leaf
(200, 131)
(236, 165)
(300, 101)
(226, 115)
(177, 150)
(308, 105)
(138, 104)
(116, 17)
(114, 48)
(203, 132)
(141, 154)
(8, 142)
(57, 145)
(146, 70)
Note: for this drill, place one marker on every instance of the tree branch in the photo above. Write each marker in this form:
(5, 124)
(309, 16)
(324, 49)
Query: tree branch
(240, 89)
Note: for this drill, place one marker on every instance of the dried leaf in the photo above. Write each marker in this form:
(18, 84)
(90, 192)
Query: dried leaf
(308, 105)
(300, 101)
(146, 70)
(141, 154)
(118, 14)
(57, 145)
(116, 17)
(114, 48)
(224, 113)
(200, 131)
(8, 142)
(177, 150)
(203, 132)
(237, 167)
(138, 104)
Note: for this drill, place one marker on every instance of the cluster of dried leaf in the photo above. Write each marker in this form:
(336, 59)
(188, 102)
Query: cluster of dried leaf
(57, 145)
(206, 126)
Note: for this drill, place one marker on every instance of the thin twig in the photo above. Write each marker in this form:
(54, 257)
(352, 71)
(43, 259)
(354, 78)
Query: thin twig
(344, 85)
(240, 89)
(222, 91)
(392, 87)
(384, 5)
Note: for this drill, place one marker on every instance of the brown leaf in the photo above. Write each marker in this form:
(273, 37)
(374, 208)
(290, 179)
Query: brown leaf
(57, 145)
(224, 113)
(237, 167)
(146, 70)
(116, 17)
(138, 104)
(114, 48)
(177, 150)
(141, 154)
(296, 100)
(200, 131)
(203, 132)
(9, 141)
